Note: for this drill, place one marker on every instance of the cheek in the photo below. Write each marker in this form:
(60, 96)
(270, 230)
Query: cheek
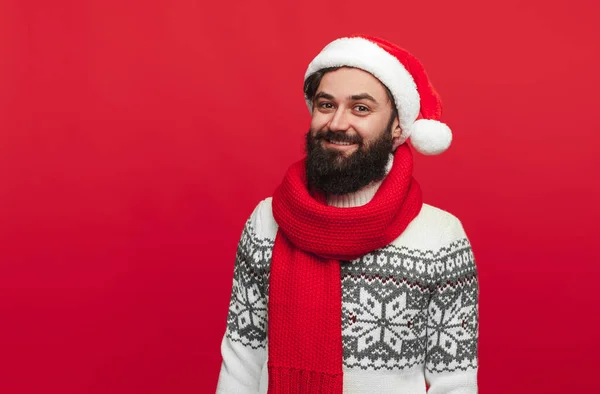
(374, 126)
(318, 121)
(368, 128)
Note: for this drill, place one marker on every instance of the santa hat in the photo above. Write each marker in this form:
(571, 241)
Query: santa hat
(419, 106)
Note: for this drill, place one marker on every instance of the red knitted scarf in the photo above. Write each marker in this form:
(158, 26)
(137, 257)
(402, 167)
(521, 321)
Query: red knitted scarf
(305, 300)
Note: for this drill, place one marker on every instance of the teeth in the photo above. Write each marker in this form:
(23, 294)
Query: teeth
(340, 142)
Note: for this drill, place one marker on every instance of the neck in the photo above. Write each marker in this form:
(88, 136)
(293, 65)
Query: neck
(360, 197)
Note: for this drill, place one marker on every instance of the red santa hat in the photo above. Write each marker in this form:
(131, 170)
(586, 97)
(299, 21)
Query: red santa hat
(419, 106)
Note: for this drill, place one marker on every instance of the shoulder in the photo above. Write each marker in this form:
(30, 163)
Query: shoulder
(433, 229)
(441, 220)
(261, 221)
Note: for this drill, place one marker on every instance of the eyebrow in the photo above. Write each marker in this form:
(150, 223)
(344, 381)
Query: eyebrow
(363, 96)
(354, 97)
(324, 95)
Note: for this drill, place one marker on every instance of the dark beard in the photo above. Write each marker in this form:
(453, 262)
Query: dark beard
(332, 172)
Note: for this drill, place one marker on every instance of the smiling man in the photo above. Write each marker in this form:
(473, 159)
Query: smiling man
(345, 280)
(352, 128)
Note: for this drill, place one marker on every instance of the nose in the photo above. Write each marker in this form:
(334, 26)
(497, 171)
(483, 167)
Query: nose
(340, 120)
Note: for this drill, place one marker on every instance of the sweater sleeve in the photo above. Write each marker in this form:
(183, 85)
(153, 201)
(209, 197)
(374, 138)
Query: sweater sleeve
(244, 345)
(453, 318)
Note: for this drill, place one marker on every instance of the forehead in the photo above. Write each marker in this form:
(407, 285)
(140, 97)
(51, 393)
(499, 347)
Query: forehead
(346, 81)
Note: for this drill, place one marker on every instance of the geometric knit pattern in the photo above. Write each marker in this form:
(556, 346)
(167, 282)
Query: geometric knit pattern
(453, 315)
(247, 317)
(400, 307)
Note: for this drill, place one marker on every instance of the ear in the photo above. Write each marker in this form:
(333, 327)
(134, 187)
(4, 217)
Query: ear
(396, 130)
(396, 133)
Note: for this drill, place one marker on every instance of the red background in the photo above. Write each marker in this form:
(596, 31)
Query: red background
(136, 138)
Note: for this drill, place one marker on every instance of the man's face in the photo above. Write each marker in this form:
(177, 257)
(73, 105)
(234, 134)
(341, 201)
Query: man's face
(351, 132)
(353, 104)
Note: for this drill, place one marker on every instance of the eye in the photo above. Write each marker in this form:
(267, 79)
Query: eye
(361, 108)
(325, 105)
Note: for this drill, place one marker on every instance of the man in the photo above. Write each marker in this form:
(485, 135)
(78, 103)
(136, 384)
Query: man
(345, 281)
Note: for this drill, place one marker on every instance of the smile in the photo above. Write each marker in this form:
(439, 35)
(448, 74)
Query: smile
(345, 146)
(340, 142)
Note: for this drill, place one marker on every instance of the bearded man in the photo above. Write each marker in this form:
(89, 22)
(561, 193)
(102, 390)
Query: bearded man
(345, 281)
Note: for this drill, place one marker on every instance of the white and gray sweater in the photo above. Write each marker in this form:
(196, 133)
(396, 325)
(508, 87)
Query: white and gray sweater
(409, 310)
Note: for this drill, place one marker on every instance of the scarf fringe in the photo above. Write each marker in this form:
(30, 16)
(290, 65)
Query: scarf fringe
(284, 380)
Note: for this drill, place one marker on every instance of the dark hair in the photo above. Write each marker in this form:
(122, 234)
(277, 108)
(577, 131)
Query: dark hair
(314, 80)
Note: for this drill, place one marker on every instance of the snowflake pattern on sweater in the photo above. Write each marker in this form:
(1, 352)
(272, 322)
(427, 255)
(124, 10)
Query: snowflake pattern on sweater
(247, 317)
(401, 307)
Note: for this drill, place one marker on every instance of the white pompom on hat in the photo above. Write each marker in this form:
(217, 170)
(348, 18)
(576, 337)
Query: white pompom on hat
(418, 104)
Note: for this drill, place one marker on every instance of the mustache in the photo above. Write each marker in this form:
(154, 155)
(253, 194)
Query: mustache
(341, 136)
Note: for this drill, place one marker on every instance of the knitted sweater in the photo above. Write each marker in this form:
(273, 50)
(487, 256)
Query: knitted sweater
(409, 310)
